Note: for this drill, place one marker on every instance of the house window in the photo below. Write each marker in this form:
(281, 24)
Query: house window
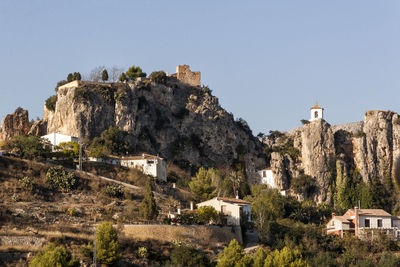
(379, 222)
(366, 222)
(224, 210)
(264, 173)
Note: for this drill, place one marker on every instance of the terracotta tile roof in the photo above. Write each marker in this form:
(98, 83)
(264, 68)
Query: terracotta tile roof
(344, 219)
(233, 200)
(143, 156)
(316, 107)
(373, 212)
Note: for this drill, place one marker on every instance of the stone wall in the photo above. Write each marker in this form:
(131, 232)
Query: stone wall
(185, 75)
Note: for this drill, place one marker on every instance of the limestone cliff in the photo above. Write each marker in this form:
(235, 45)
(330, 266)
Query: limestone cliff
(14, 124)
(318, 155)
(182, 123)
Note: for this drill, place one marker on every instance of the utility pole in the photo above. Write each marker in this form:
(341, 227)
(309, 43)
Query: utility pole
(80, 155)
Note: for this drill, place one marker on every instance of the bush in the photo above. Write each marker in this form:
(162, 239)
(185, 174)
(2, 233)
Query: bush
(107, 244)
(304, 122)
(206, 214)
(143, 252)
(82, 94)
(26, 183)
(111, 141)
(158, 77)
(116, 191)
(303, 184)
(232, 254)
(183, 255)
(135, 72)
(58, 178)
(53, 256)
(51, 103)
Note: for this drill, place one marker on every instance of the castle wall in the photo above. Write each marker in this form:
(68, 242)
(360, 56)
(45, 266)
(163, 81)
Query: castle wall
(185, 75)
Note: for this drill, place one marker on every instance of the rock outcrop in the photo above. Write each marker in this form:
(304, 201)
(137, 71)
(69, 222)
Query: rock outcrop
(14, 124)
(182, 123)
(318, 156)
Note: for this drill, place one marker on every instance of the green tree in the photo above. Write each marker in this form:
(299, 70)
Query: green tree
(123, 77)
(70, 77)
(158, 77)
(183, 255)
(231, 255)
(69, 149)
(107, 244)
(206, 214)
(284, 258)
(104, 75)
(303, 184)
(51, 103)
(148, 208)
(201, 185)
(60, 179)
(77, 76)
(135, 72)
(112, 141)
(30, 146)
(259, 257)
(53, 256)
(267, 205)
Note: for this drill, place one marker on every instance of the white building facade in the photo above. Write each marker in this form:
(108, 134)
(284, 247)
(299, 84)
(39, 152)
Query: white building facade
(267, 177)
(316, 113)
(232, 208)
(148, 164)
(56, 138)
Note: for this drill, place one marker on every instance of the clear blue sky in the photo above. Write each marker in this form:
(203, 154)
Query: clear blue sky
(267, 61)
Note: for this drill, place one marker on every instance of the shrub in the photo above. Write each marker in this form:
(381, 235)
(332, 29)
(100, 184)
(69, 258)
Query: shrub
(135, 72)
(359, 133)
(51, 103)
(231, 255)
(58, 178)
(304, 122)
(303, 184)
(30, 146)
(285, 257)
(116, 191)
(26, 183)
(206, 214)
(143, 252)
(107, 244)
(60, 83)
(158, 77)
(82, 94)
(107, 93)
(53, 256)
(183, 255)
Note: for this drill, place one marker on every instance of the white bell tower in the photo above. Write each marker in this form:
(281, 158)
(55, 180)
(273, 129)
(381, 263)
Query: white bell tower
(317, 112)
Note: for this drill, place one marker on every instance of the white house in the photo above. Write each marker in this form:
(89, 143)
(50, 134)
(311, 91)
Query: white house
(267, 177)
(56, 138)
(317, 112)
(364, 223)
(233, 208)
(149, 164)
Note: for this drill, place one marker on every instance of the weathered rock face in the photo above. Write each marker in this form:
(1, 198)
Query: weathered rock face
(177, 121)
(15, 124)
(280, 166)
(377, 148)
(318, 156)
(39, 128)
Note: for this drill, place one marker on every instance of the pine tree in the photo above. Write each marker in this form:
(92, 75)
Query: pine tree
(148, 209)
(122, 77)
(70, 77)
(107, 244)
(104, 75)
(232, 254)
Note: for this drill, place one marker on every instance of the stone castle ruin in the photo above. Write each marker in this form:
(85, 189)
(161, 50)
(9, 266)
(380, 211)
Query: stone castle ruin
(185, 75)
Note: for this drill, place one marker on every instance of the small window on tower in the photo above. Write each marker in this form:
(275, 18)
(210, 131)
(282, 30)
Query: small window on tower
(264, 174)
(316, 114)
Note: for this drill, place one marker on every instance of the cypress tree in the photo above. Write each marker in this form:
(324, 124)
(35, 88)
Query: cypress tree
(70, 77)
(104, 75)
(148, 209)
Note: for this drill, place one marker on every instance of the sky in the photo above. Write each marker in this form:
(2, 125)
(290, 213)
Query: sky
(268, 62)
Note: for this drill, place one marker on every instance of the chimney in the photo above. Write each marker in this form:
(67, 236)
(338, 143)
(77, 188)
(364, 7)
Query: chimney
(356, 221)
(237, 194)
(173, 185)
(191, 205)
(179, 211)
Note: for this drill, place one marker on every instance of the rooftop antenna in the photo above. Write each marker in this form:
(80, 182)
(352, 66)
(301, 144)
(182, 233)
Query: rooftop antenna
(359, 204)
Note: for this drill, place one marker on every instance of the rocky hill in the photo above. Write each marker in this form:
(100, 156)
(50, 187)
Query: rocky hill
(369, 149)
(182, 123)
